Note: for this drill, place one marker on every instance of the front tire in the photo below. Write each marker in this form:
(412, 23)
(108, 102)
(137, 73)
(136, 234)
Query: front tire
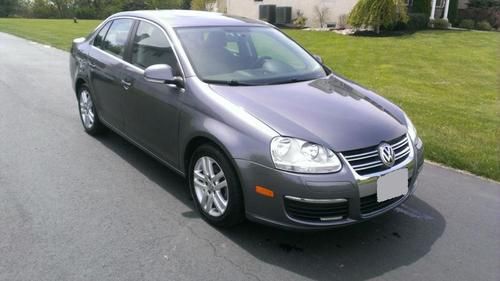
(215, 187)
(88, 113)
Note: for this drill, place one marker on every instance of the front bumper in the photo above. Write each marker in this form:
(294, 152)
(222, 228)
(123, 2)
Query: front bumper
(349, 193)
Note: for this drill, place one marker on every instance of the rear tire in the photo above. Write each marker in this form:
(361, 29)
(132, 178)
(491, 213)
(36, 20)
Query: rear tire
(215, 187)
(88, 113)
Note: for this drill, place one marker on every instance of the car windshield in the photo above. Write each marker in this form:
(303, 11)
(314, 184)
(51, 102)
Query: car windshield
(245, 56)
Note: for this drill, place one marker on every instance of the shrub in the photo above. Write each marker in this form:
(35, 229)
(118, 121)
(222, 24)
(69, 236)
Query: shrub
(202, 5)
(484, 25)
(300, 20)
(467, 24)
(378, 13)
(421, 6)
(491, 14)
(440, 24)
(483, 3)
(342, 21)
(417, 21)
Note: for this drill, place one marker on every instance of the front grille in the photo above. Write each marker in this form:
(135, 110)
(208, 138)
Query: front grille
(367, 161)
(317, 212)
(369, 204)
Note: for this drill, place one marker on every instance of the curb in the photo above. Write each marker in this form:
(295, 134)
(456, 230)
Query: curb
(466, 173)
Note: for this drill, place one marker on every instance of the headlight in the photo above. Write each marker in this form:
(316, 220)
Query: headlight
(299, 156)
(411, 129)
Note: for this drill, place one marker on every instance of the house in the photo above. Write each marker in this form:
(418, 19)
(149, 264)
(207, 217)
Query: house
(337, 9)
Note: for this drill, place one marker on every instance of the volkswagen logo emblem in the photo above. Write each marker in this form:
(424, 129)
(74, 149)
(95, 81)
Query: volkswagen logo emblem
(386, 154)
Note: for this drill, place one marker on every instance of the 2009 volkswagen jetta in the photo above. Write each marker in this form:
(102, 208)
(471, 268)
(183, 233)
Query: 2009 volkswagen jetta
(258, 125)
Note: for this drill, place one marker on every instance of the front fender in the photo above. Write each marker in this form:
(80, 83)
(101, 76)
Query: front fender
(207, 114)
(235, 143)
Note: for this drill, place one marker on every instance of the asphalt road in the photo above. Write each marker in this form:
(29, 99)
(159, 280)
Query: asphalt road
(73, 207)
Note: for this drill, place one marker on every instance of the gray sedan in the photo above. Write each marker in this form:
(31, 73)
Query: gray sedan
(259, 126)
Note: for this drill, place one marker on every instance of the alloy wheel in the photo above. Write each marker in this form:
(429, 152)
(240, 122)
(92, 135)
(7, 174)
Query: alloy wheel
(210, 186)
(87, 109)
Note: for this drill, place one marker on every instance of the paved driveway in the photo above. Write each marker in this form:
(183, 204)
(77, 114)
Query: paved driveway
(73, 207)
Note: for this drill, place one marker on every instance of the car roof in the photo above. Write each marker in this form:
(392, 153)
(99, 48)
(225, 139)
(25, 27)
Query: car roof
(188, 18)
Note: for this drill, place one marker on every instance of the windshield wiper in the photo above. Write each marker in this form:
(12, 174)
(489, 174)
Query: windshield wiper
(288, 81)
(229, 83)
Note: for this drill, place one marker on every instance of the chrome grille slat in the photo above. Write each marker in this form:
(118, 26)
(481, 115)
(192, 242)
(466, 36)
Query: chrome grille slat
(369, 167)
(363, 160)
(374, 154)
(366, 164)
(360, 155)
(400, 144)
(402, 155)
(404, 151)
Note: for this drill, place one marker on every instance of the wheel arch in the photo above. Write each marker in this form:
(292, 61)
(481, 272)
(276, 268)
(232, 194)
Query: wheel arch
(197, 141)
(78, 83)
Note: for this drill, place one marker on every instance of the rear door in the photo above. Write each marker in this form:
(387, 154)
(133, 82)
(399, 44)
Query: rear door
(106, 69)
(151, 110)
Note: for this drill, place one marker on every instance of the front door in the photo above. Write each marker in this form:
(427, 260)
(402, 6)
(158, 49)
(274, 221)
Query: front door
(151, 110)
(106, 70)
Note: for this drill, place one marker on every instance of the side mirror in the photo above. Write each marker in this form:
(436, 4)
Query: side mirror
(318, 59)
(163, 74)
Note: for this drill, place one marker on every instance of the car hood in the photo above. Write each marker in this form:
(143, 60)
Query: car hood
(330, 111)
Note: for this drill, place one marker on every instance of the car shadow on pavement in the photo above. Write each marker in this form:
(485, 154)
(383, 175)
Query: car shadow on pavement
(358, 252)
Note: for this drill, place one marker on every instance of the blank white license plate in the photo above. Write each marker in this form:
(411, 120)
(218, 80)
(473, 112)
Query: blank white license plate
(392, 185)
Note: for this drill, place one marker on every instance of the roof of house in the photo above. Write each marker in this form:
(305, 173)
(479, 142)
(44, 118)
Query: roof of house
(188, 18)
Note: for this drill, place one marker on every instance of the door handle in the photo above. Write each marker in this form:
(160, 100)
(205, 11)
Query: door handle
(126, 84)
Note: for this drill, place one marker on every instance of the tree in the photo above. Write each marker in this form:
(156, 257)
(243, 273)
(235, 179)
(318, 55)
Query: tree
(202, 5)
(377, 13)
(7, 7)
(133, 5)
(61, 6)
(44, 9)
(164, 4)
(321, 14)
(186, 4)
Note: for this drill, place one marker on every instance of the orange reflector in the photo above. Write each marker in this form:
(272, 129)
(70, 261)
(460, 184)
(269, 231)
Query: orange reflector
(264, 191)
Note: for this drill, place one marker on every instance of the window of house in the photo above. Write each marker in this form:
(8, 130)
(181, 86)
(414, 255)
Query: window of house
(440, 3)
(151, 46)
(116, 39)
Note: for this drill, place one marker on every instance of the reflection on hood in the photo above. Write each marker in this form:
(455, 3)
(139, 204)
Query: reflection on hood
(334, 85)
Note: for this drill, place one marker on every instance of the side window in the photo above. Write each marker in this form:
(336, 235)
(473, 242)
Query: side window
(100, 36)
(116, 39)
(150, 46)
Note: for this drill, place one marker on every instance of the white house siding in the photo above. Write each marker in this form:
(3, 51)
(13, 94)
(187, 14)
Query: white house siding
(250, 8)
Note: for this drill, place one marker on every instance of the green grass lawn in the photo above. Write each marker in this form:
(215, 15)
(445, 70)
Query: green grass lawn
(447, 81)
(57, 33)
